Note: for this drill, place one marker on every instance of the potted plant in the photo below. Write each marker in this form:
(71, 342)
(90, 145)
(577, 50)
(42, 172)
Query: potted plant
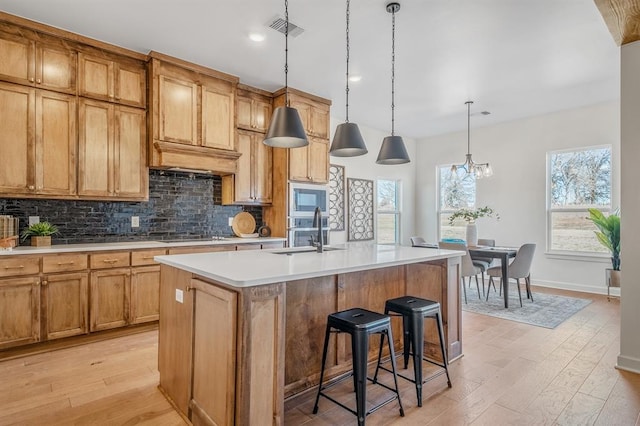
(40, 233)
(470, 216)
(608, 234)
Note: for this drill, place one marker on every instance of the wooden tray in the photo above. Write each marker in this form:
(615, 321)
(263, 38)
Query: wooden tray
(243, 223)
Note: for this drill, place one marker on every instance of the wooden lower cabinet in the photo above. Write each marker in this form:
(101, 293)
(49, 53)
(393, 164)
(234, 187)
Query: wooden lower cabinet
(65, 305)
(214, 337)
(110, 290)
(19, 311)
(145, 294)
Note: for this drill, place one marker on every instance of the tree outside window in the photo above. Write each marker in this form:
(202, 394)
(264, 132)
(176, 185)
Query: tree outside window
(577, 180)
(454, 192)
(388, 211)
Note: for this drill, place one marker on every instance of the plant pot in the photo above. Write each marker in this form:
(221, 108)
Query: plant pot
(41, 241)
(472, 235)
(613, 277)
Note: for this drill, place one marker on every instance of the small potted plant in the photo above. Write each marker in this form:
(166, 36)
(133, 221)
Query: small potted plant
(40, 233)
(608, 234)
(470, 216)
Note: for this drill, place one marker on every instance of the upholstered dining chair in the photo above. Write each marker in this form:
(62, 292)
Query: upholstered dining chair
(520, 267)
(416, 241)
(467, 268)
(489, 261)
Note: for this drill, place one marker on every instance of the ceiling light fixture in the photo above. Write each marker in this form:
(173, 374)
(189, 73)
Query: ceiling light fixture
(257, 37)
(480, 170)
(347, 141)
(285, 129)
(355, 78)
(393, 150)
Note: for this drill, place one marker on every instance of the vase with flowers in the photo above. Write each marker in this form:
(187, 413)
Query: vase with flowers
(470, 216)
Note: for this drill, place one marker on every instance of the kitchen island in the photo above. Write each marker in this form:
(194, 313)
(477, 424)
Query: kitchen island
(242, 331)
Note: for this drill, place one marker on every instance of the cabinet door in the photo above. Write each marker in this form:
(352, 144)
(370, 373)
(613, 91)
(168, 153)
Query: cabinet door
(110, 290)
(19, 311)
(55, 164)
(95, 77)
(178, 108)
(318, 160)
(145, 294)
(129, 168)
(262, 169)
(304, 109)
(55, 68)
(244, 113)
(17, 104)
(130, 84)
(243, 178)
(261, 115)
(95, 146)
(319, 122)
(17, 59)
(214, 354)
(217, 118)
(65, 305)
(299, 164)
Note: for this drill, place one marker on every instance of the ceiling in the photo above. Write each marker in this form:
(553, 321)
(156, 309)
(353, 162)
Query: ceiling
(514, 58)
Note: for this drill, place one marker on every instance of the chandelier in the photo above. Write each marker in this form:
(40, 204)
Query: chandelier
(480, 170)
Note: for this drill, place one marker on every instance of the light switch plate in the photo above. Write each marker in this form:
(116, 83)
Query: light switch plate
(179, 296)
(230, 221)
(33, 220)
(135, 221)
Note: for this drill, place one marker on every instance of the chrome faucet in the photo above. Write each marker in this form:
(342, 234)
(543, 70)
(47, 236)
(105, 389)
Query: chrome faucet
(317, 221)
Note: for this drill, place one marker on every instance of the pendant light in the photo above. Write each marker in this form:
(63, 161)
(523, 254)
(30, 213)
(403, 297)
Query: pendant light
(480, 170)
(393, 150)
(285, 129)
(347, 140)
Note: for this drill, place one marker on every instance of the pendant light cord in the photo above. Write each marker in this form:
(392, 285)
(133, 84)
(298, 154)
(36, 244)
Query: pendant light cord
(286, 52)
(393, 70)
(347, 87)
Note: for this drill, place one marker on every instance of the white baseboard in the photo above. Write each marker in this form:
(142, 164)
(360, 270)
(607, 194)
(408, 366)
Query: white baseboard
(615, 291)
(627, 363)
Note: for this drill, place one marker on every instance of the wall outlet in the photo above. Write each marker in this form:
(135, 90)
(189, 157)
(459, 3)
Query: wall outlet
(33, 220)
(179, 296)
(135, 221)
(230, 221)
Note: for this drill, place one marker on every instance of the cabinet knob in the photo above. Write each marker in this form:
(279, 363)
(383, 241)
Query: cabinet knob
(38, 81)
(31, 79)
(45, 282)
(31, 187)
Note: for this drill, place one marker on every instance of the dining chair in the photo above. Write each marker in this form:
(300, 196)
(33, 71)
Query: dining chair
(467, 268)
(520, 267)
(490, 261)
(416, 241)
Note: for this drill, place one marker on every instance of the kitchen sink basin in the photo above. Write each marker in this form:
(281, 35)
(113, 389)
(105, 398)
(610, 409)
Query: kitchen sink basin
(295, 250)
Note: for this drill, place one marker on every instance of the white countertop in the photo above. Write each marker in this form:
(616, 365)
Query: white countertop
(254, 268)
(131, 245)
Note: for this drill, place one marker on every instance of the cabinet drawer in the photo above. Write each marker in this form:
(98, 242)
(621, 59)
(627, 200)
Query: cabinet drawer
(274, 245)
(141, 258)
(19, 266)
(109, 260)
(206, 249)
(64, 263)
(249, 246)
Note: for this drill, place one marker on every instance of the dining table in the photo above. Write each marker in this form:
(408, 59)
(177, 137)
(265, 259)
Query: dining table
(502, 253)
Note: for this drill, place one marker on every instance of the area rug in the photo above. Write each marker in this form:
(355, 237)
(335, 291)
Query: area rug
(547, 310)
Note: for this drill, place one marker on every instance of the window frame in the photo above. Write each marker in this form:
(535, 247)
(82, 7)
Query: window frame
(440, 210)
(397, 212)
(582, 255)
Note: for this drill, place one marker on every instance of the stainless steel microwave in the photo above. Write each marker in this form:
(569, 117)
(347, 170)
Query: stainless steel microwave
(304, 198)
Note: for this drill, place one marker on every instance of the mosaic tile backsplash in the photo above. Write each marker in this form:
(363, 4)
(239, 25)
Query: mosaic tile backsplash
(180, 206)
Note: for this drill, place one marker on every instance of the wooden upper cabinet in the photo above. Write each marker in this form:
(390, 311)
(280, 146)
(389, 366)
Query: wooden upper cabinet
(47, 65)
(111, 151)
(252, 184)
(253, 111)
(38, 139)
(112, 80)
(218, 102)
(314, 116)
(318, 160)
(178, 110)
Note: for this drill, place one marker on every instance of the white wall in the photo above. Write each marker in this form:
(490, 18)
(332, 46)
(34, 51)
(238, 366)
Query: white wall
(517, 152)
(365, 167)
(629, 358)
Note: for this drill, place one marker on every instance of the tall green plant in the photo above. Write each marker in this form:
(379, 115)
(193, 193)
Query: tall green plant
(608, 233)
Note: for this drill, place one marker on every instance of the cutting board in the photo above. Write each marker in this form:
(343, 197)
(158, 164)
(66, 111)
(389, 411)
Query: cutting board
(243, 223)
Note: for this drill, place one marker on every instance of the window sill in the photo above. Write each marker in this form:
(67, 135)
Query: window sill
(578, 256)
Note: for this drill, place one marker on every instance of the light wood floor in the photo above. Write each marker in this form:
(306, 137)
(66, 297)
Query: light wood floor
(511, 373)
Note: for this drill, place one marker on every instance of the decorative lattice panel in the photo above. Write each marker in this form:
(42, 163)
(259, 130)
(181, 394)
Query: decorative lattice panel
(360, 209)
(336, 197)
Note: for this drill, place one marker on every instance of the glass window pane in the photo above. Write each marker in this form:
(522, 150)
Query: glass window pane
(573, 231)
(451, 231)
(387, 198)
(387, 228)
(456, 191)
(580, 178)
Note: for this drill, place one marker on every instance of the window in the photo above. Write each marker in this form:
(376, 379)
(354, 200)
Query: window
(388, 218)
(454, 192)
(576, 181)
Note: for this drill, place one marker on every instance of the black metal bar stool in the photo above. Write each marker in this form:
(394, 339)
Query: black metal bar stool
(413, 311)
(359, 323)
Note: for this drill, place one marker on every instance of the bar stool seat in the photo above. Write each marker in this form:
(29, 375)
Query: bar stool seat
(359, 323)
(413, 311)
